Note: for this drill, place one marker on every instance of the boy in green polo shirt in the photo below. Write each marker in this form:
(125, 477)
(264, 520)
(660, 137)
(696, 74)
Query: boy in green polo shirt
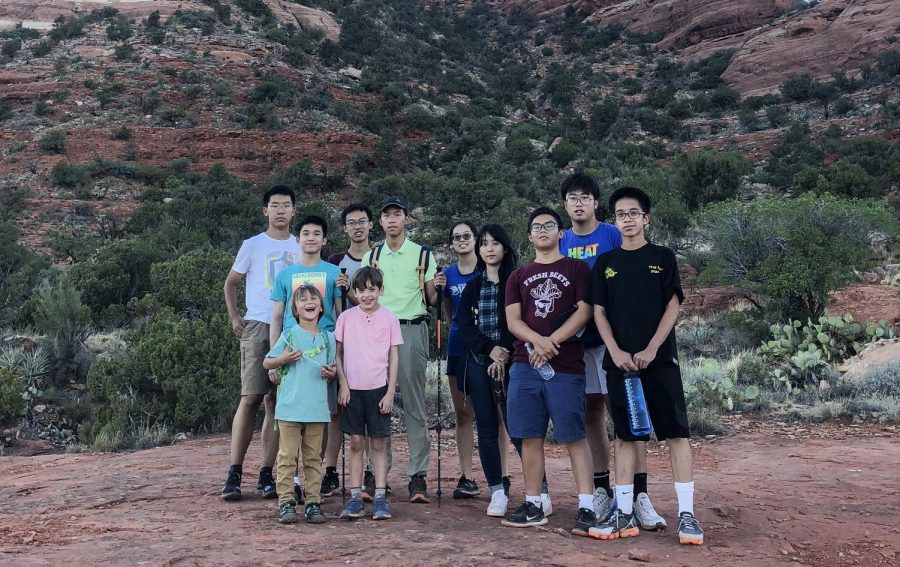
(406, 288)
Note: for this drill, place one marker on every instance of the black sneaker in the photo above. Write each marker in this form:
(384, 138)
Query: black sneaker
(368, 493)
(331, 483)
(266, 485)
(314, 514)
(507, 482)
(287, 514)
(465, 488)
(525, 516)
(585, 519)
(232, 489)
(418, 489)
(298, 494)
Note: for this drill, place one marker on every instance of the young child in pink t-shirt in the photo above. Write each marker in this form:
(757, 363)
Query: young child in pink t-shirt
(367, 338)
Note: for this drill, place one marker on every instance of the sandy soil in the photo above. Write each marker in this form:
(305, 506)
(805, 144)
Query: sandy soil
(770, 495)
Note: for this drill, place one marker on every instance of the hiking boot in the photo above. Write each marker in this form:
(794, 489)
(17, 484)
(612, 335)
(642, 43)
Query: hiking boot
(689, 531)
(603, 504)
(298, 494)
(507, 482)
(525, 516)
(498, 505)
(585, 519)
(418, 490)
(546, 504)
(265, 487)
(646, 514)
(232, 489)
(354, 508)
(465, 488)
(617, 525)
(381, 510)
(368, 493)
(287, 514)
(314, 514)
(331, 484)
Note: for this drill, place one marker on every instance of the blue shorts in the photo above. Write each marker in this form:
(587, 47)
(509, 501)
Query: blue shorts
(532, 402)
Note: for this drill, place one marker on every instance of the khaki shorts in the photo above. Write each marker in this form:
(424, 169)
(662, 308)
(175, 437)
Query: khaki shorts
(254, 347)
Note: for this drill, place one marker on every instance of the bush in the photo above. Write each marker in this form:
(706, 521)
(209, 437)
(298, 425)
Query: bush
(123, 52)
(121, 133)
(725, 98)
(709, 71)
(708, 176)
(849, 179)
(603, 115)
(797, 89)
(10, 48)
(119, 29)
(844, 105)
(53, 142)
(59, 313)
(777, 116)
(889, 63)
(564, 152)
(11, 402)
(67, 174)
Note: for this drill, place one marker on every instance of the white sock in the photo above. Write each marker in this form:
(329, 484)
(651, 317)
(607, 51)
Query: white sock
(297, 480)
(536, 500)
(625, 498)
(586, 501)
(685, 493)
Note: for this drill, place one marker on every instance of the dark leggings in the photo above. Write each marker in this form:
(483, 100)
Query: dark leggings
(477, 386)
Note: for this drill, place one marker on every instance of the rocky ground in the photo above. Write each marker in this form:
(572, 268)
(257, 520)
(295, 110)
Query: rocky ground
(772, 494)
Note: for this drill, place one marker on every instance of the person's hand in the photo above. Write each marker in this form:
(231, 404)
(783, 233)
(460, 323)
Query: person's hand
(344, 396)
(343, 282)
(499, 355)
(545, 347)
(496, 370)
(623, 360)
(329, 372)
(536, 360)
(237, 325)
(275, 376)
(644, 358)
(289, 356)
(386, 405)
(440, 280)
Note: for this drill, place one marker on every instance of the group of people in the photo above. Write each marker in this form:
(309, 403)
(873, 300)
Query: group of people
(554, 340)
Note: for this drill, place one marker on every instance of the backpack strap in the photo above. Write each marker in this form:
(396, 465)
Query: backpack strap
(422, 268)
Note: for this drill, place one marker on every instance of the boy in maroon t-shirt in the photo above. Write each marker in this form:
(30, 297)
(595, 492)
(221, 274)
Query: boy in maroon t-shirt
(545, 307)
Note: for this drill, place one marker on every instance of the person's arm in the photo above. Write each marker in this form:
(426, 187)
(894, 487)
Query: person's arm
(573, 324)
(387, 402)
(666, 324)
(344, 386)
(232, 282)
(544, 347)
(277, 321)
(620, 358)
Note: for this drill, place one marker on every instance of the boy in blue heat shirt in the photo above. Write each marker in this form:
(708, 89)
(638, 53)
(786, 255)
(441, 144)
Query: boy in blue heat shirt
(587, 240)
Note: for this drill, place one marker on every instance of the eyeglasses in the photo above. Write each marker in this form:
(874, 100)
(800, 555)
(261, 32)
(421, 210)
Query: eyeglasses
(549, 226)
(576, 200)
(357, 223)
(633, 214)
(280, 206)
(462, 237)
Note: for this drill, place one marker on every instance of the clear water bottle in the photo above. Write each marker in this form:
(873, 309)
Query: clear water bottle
(638, 416)
(545, 370)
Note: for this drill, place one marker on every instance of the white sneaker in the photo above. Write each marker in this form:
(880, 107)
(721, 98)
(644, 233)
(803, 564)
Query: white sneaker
(603, 504)
(499, 502)
(546, 504)
(646, 515)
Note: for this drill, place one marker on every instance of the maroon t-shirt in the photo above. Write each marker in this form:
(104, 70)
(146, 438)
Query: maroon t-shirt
(547, 293)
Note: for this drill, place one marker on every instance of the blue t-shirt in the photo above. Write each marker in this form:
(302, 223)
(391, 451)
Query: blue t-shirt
(605, 237)
(323, 275)
(303, 393)
(456, 283)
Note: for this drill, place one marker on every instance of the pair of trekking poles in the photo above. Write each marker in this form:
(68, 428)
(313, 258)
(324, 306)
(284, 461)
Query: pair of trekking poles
(438, 427)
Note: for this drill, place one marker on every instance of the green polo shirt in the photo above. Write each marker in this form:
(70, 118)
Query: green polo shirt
(402, 294)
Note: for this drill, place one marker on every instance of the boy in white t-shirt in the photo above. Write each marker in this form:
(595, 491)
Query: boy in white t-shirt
(259, 260)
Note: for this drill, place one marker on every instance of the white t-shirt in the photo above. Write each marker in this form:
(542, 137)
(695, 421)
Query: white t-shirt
(261, 258)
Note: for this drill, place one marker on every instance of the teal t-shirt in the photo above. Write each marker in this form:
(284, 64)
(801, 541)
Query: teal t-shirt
(323, 275)
(303, 393)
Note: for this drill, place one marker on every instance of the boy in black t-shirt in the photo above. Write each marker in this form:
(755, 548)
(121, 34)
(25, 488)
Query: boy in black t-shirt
(636, 292)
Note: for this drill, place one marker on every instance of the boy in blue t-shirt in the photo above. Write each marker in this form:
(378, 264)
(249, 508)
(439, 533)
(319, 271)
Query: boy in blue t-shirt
(302, 362)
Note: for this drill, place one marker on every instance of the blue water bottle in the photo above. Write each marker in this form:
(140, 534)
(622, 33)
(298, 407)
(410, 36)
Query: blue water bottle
(638, 416)
(545, 370)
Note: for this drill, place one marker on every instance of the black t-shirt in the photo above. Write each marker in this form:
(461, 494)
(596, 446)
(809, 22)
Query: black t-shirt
(635, 286)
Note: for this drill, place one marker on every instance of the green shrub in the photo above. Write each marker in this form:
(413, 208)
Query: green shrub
(889, 63)
(121, 133)
(709, 71)
(798, 88)
(725, 98)
(67, 174)
(53, 142)
(564, 152)
(119, 29)
(849, 179)
(123, 52)
(776, 115)
(59, 313)
(603, 115)
(708, 176)
(11, 402)
(10, 48)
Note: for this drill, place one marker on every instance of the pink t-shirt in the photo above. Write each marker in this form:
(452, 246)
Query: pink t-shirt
(367, 341)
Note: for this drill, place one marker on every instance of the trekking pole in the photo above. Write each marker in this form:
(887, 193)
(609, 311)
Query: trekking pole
(343, 437)
(438, 427)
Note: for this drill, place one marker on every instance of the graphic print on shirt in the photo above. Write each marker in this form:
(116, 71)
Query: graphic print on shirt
(457, 290)
(582, 252)
(318, 279)
(544, 296)
(275, 262)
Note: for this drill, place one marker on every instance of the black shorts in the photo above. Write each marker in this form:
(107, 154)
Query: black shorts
(362, 416)
(665, 401)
